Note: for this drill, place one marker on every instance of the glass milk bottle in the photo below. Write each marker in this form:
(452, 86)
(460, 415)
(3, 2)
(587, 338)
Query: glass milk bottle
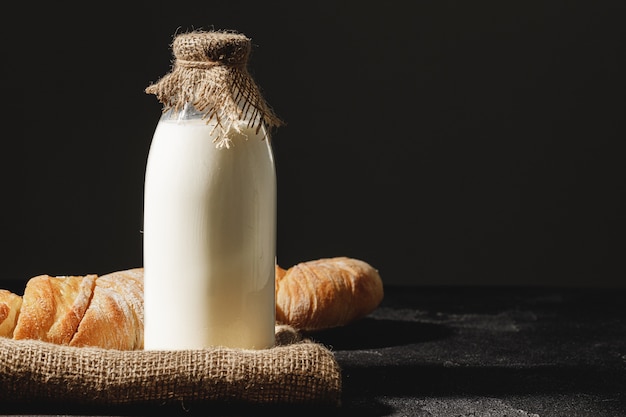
(210, 203)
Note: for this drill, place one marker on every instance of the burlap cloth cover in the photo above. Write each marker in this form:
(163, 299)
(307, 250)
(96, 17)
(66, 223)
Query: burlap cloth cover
(210, 73)
(295, 371)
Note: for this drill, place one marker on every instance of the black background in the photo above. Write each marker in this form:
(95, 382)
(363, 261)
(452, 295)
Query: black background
(443, 142)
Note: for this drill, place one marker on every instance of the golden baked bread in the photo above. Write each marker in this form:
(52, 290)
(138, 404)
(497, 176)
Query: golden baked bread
(114, 318)
(326, 293)
(52, 307)
(105, 311)
(10, 305)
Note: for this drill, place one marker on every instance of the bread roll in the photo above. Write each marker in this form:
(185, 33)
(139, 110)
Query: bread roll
(326, 293)
(107, 311)
(88, 310)
(114, 319)
(10, 305)
(52, 307)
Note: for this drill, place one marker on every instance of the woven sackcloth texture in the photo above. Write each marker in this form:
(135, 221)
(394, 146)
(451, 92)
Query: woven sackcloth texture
(294, 371)
(210, 72)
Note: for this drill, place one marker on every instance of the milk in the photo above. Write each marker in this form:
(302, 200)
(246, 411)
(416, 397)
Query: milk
(209, 238)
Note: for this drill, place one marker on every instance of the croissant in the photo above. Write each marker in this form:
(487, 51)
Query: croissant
(326, 293)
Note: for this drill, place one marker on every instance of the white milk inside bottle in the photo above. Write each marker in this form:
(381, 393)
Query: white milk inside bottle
(209, 236)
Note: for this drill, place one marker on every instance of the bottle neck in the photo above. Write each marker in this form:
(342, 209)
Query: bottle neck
(188, 112)
(224, 135)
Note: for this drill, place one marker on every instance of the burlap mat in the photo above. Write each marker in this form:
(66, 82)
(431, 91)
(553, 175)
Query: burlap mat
(295, 371)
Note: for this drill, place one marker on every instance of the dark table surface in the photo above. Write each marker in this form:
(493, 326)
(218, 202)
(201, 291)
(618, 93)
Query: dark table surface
(466, 351)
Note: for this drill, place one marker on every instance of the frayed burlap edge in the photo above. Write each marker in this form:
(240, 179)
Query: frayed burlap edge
(293, 372)
(210, 72)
